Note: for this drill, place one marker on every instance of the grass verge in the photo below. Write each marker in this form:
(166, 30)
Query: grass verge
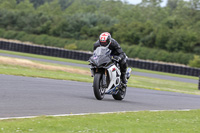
(43, 73)
(163, 85)
(44, 57)
(140, 122)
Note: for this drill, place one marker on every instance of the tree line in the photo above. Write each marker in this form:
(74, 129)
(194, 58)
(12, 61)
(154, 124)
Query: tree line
(174, 28)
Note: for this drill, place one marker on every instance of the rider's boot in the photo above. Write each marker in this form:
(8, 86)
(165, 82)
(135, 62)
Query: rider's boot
(124, 82)
(123, 77)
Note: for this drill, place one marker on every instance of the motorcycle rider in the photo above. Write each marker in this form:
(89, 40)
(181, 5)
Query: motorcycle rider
(105, 40)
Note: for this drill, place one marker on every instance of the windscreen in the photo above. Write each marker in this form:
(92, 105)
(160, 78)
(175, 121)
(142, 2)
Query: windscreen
(101, 51)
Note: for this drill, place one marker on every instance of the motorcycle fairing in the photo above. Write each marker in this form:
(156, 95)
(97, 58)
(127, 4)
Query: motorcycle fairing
(114, 77)
(100, 61)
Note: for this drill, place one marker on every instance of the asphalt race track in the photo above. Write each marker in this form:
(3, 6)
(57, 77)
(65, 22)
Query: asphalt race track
(87, 66)
(27, 96)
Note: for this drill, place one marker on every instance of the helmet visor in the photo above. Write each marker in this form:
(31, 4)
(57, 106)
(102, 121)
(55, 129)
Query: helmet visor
(104, 43)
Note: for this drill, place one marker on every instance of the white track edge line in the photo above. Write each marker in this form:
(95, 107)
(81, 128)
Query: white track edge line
(80, 114)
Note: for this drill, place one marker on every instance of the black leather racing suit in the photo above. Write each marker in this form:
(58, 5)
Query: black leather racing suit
(116, 51)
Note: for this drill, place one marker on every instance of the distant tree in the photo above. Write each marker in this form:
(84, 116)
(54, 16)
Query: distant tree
(195, 4)
(174, 28)
(162, 36)
(25, 5)
(152, 2)
(37, 3)
(8, 4)
(65, 3)
(18, 1)
(51, 8)
(172, 4)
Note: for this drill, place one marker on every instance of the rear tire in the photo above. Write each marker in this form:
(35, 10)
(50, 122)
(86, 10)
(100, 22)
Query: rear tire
(120, 95)
(99, 92)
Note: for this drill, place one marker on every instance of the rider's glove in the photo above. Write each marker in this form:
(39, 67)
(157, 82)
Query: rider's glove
(116, 58)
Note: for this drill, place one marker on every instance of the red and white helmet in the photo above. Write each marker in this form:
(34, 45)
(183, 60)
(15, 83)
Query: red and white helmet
(105, 39)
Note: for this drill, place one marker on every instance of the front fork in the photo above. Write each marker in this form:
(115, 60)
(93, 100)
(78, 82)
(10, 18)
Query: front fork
(104, 76)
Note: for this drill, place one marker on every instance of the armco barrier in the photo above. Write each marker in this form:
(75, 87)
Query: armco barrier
(199, 82)
(44, 50)
(58, 52)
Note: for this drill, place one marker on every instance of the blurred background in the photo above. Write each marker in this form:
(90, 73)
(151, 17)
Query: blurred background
(160, 30)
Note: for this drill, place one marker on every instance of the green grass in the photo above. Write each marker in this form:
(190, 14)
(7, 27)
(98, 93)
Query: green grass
(44, 57)
(34, 72)
(85, 62)
(164, 85)
(132, 122)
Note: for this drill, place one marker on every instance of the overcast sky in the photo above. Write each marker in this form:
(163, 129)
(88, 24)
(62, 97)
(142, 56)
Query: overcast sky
(138, 1)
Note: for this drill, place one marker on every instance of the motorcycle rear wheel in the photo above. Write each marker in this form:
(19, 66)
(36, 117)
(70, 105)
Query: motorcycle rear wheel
(99, 92)
(120, 95)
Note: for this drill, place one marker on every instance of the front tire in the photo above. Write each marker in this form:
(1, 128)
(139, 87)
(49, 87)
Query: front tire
(99, 92)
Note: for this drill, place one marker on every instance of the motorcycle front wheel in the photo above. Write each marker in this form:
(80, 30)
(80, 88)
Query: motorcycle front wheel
(99, 91)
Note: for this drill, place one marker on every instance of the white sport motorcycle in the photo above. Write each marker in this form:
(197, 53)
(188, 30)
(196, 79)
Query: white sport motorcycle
(106, 73)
